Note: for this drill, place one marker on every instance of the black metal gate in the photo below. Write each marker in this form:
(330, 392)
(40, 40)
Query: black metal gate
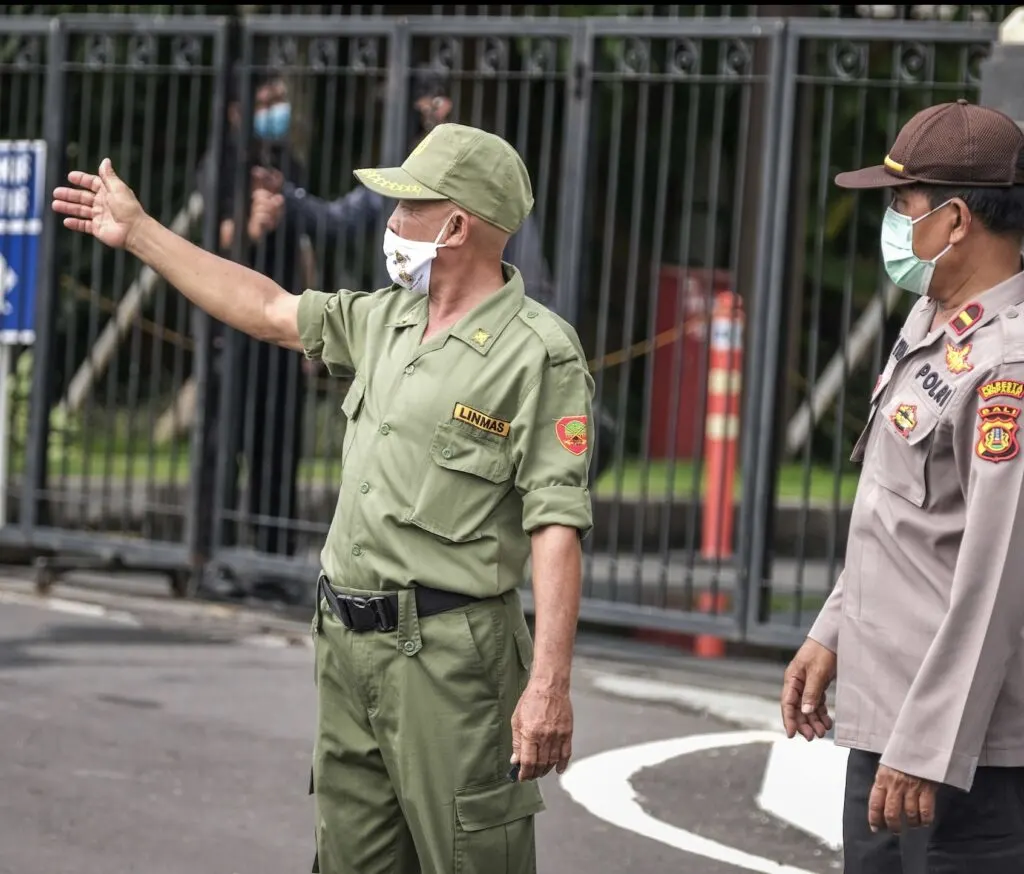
(672, 159)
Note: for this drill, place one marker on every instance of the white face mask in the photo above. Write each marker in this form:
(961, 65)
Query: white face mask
(409, 260)
(905, 269)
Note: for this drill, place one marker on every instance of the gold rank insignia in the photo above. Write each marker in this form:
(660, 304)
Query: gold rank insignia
(962, 321)
(480, 337)
(956, 358)
(905, 419)
(998, 433)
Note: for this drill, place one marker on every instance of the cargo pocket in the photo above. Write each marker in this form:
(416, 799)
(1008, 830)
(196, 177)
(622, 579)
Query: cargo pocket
(494, 828)
(352, 406)
(907, 425)
(464, 482)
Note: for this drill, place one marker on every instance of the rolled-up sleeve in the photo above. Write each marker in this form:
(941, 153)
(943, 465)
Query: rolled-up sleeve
(942, 725)
(552, 449)
(332, 328)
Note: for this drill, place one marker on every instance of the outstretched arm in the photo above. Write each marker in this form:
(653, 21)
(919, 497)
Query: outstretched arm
(107, 209)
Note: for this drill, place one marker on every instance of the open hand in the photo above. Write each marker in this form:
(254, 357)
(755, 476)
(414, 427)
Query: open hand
(897, 798)
(102, 206)
(803, 691)
(541, 732)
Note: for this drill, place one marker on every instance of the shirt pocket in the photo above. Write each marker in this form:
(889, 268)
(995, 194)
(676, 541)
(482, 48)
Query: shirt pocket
(465, 480)
(907, 426)
(351, 407)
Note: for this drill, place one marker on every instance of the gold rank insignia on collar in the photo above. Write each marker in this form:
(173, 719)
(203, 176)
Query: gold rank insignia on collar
(956, 358)
(480, 337)
(962, 322)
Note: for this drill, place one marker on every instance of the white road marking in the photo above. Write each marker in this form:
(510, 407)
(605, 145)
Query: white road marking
(746, 710)
(76, 608)
(601, 784)
(798, 770)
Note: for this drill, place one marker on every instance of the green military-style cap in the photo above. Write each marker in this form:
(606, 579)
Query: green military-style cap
(474, 169)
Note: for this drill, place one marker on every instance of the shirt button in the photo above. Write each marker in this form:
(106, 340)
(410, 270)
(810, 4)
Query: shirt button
(532, 314)
(364, 488)
(357, 550)
(446, 453)
(409, 369)
(1012, 314)
(408, 646)
(385, 429)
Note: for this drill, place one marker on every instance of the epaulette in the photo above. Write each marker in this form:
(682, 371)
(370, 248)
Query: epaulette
(1012, 322)
(549, 327)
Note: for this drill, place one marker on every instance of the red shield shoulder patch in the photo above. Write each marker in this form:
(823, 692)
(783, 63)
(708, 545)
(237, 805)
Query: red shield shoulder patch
(998, 433)
(572, 433)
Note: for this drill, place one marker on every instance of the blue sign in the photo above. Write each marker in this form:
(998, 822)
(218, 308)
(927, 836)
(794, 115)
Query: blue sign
(22, 201)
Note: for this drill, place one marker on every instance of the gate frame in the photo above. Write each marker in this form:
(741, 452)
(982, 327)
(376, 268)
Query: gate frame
(799, 30)
(61, 549)
(784, 39)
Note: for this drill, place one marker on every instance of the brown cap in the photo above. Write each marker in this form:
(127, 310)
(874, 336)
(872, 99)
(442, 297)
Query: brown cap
(948, 144)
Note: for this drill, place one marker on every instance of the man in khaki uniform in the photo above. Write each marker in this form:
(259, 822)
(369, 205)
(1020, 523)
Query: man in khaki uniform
(927, 618)
(466, 453)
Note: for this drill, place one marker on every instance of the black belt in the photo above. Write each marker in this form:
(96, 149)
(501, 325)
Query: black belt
(380, 612)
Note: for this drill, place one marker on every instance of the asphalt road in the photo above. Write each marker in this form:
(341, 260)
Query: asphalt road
(178, 747)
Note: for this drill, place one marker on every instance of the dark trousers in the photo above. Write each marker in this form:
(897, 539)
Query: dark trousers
(976, 832)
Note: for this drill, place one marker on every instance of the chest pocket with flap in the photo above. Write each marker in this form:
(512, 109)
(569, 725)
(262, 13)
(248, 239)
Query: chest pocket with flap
(465, 480)
(352, 406)
(907, 429)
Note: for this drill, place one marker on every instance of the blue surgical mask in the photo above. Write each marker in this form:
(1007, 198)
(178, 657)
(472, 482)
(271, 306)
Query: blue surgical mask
(273, 123)
(905, 269)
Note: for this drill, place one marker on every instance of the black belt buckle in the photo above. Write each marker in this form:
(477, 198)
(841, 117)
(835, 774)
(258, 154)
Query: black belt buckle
(380, 609)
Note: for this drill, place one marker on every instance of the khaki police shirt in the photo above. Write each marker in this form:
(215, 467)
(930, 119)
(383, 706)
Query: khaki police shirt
(927, 618)
(456, 449)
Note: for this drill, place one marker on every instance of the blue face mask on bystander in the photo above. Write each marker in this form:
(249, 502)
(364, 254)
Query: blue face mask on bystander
(274, 122)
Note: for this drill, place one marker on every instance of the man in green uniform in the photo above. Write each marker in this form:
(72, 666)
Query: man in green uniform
(466, 454)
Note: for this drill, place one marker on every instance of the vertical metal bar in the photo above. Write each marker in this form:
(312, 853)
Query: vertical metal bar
(632, 269)
(120, 256)
(92, 425)
(395, 115)
(604, 299)
(80, 244)
(547, 134)
(159, 337)
(684, 247)
(226, 443)
(38, 440)
(771, 251)
(844, 333)
(692, 548)
(660, 596)
(573, 176)
(814, 337)
(397, 103)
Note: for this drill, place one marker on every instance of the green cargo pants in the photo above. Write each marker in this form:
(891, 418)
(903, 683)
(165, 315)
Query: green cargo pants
(413, 743)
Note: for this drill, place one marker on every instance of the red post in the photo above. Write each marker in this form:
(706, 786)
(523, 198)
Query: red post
(722, 424)
(721, 435)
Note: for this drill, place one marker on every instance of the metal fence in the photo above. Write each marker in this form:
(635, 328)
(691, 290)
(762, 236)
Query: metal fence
(673, 159)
